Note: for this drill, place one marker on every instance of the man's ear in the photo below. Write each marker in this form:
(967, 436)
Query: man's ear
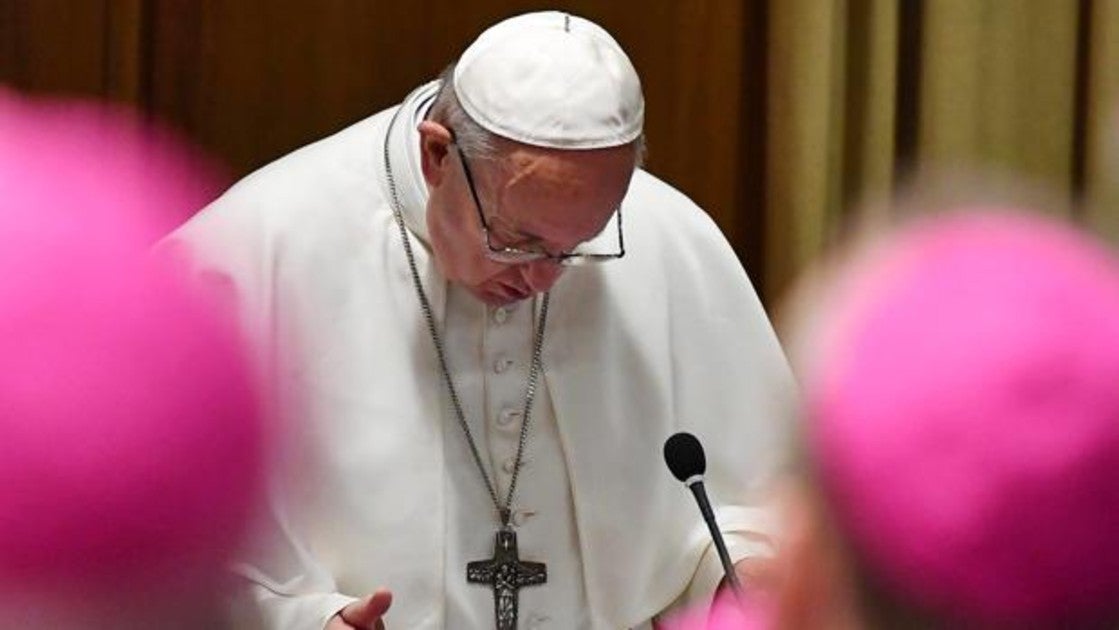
(435, 151)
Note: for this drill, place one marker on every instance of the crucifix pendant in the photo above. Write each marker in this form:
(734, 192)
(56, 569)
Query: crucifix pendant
(506, 574)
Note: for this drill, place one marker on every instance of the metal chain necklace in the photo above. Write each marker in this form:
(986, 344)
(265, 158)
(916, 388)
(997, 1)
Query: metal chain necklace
(505, 572)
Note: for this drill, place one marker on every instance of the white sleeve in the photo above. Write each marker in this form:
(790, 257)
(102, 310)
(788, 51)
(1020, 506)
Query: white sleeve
(224, 249)
(747, 533)
(295, 592)
(298, 612)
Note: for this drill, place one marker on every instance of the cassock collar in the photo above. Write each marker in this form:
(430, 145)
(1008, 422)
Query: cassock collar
(403, 140)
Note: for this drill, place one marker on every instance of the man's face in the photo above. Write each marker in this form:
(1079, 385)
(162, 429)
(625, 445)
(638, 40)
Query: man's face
(533, 199)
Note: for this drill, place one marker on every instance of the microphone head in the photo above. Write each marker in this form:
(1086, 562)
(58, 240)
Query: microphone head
(684, 455)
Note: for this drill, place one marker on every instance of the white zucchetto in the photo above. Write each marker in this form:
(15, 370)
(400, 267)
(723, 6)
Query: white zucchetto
(551, 79)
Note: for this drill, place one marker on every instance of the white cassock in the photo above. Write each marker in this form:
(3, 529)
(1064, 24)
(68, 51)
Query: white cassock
(672, 337)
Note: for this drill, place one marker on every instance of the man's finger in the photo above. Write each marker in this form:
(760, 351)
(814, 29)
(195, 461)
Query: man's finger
(367, 612)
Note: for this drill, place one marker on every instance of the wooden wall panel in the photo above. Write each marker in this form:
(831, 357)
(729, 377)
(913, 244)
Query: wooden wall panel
(89, 48)
(54, 46)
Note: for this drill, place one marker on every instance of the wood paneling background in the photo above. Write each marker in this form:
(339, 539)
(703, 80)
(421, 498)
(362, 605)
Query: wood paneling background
(250, 81)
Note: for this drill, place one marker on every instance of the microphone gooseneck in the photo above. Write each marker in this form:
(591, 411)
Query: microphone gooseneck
(685, 458)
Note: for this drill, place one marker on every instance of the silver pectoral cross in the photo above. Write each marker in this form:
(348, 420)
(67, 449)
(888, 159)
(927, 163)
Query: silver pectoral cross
(506, 574)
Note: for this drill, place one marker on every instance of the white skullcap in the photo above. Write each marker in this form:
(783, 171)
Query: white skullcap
(551, 79)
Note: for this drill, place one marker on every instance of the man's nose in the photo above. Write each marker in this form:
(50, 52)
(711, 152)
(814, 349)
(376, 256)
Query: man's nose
(540, 275)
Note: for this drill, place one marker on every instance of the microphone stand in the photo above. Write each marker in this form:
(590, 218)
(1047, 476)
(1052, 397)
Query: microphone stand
(695, 484)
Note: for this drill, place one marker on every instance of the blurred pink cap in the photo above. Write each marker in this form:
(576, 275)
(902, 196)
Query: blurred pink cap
(964, 417)
(132, 445)
(753, 611)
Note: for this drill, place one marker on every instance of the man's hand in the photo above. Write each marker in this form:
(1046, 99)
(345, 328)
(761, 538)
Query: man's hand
(757, 574)
(364, 614)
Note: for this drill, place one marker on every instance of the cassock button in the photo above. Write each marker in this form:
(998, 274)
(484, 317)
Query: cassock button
(501, 364)
(508, 416)
(500, 315)
(520, 517)
(536, 621)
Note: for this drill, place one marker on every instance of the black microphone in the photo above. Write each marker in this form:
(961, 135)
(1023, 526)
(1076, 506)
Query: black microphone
(684, 455)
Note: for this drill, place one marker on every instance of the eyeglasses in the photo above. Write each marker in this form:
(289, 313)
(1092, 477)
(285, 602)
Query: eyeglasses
(516, 255)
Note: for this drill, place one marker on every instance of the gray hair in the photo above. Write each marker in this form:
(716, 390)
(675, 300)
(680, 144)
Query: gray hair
(476, 141)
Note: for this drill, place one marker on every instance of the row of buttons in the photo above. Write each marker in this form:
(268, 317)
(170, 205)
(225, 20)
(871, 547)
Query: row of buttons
(502, 364)
(510, 417)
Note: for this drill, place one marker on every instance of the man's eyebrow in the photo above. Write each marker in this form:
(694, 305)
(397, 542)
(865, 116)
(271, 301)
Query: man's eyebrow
(526, 238)
(516, 232)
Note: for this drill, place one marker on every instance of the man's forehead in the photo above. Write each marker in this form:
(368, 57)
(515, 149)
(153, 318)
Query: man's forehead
(567, 174)
(575, 185)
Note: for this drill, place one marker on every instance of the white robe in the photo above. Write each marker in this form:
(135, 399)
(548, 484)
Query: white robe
(672, 337)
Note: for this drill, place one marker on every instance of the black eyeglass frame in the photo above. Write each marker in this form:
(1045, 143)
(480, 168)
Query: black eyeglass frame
(513, 255)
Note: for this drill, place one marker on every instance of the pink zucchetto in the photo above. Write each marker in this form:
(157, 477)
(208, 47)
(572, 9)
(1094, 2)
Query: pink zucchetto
(132, 444)
(752, 611)
(962, 416)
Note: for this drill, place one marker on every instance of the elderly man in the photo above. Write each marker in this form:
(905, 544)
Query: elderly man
(485, 360)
